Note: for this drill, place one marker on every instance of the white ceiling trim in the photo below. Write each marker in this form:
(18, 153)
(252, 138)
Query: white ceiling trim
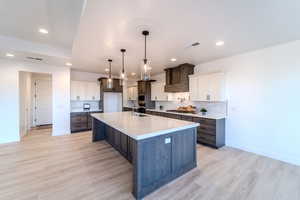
(11, 44)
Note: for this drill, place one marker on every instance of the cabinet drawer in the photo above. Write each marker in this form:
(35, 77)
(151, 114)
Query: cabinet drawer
(78, 126)
(79, 118)
(210, 139)
(173, 116)
(207, 129)
(187, 118)
(211, 122)
(149, 112)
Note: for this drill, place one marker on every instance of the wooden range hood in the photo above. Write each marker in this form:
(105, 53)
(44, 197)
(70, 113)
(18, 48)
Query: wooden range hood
(177, 78)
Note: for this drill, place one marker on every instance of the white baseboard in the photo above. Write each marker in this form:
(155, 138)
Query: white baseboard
(292, 159)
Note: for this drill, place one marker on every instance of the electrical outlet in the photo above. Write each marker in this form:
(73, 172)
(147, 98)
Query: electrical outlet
(167, 140)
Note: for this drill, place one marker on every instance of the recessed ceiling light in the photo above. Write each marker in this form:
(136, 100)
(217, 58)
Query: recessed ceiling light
(133, 74)
(173, 59)
(107, 70)
(43, 31)
(9, 55)
(68, 64)
(220, 43)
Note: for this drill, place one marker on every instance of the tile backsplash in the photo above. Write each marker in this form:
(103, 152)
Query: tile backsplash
(212, 107)
(79, 104)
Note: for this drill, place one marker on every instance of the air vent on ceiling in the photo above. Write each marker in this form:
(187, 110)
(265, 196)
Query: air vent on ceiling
(195, 44)
(34, 58)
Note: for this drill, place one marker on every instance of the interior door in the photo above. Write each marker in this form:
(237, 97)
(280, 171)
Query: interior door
(43, 102)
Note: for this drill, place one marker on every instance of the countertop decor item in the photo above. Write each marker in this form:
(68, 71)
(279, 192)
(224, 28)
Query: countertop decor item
(187, 109)
(203, 111)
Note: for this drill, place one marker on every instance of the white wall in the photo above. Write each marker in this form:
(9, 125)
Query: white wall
(9, 101)
(263, 100)
(85, 76)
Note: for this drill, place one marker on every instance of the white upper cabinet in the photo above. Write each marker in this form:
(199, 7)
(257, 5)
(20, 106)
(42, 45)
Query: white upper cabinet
(193, 88)
(132, 93)
(207, 87)
(85, 91)
(158, 93)
(93, 91)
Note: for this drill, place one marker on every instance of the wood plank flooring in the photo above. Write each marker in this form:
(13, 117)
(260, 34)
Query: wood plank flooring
(72, 167)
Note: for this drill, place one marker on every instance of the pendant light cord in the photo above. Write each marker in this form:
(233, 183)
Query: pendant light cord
(123, 70)
(145, 59)
(109, 68)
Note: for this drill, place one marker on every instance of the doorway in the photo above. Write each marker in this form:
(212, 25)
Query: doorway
(35, 90)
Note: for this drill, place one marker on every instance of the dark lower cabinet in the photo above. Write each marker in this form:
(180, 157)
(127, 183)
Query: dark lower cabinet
(155, 161)
(117, 141)
(121, 142)
(127, 109)
(124, 145)
(110, 135)
(81, 121)
(211, 132)
(130, 143)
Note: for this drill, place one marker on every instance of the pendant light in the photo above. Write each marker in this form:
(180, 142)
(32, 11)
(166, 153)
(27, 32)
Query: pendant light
(145, 68)
(109, 80)
(122, 75)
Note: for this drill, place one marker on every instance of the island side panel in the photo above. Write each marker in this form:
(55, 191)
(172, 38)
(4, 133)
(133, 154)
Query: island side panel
(158, 160)
(99, 131)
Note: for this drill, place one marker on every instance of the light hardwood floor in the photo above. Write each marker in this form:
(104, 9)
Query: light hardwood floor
(72, 167)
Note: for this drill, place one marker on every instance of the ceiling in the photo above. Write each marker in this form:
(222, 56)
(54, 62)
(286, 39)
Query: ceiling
(106, 26)
(20, 22)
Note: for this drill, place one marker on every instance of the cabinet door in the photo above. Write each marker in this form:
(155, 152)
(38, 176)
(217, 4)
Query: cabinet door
(96, 91)
(129, 93)
(117, 140)
(130, 145)
(74, 85)
(77, 90)
(154, 91)
(216, 87)
(162, 95)
(158, 93)
(194, 94)
(134, 93)
(92, 91)
(124, 144)
(203, 85)
(110, 138)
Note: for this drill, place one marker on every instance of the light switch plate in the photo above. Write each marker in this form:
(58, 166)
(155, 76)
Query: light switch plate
(167, 140)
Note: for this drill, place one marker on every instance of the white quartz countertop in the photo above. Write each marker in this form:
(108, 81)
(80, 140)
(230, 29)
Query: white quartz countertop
(84, 110)
(207, 116)
(139, 128)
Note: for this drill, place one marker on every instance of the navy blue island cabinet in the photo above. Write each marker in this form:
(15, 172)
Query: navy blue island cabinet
(156, 160)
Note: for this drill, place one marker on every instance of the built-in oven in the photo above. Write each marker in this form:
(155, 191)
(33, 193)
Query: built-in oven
(141, 100)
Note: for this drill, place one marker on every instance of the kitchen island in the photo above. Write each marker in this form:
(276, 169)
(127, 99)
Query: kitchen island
(160, 149)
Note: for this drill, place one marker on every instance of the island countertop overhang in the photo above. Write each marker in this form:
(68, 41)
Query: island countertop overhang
(140, 128)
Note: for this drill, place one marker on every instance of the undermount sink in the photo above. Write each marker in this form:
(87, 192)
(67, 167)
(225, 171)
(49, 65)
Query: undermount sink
(140, 115)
